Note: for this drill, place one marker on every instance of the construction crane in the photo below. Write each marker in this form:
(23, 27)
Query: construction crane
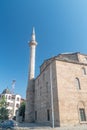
(13, 86)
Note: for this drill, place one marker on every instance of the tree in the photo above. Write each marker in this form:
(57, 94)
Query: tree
(4, 113)
(22, 110)
(3, 102)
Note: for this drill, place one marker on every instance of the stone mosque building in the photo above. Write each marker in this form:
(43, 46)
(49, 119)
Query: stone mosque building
(58, 95)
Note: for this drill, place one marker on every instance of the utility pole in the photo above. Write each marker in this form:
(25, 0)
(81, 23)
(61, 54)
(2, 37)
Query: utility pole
(52, 105)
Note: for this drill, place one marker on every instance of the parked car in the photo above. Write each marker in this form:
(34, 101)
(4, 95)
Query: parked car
(1, 123)
(9, 125)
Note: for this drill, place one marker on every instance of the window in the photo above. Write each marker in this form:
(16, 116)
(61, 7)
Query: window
(77, 83)
(9, 97)
(17, 105)
(48, 115)
(84, 71)
(17, 98)
(35, 115)
(82, 114)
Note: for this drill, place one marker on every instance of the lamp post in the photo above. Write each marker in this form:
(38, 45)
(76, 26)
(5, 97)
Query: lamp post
(52, 105)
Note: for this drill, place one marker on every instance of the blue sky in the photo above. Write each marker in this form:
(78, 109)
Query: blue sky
(61, 26)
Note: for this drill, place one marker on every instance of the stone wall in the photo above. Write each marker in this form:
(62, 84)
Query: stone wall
(43, 95)
(69, 97)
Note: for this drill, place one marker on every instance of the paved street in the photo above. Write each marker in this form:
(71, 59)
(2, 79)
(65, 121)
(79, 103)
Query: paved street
(33, 126)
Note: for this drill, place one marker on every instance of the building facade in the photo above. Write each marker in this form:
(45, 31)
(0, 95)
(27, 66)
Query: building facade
(69, 88)
(13, 101)
(59, 92)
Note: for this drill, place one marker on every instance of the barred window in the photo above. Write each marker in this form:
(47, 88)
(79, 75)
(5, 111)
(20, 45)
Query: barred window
(82, 114)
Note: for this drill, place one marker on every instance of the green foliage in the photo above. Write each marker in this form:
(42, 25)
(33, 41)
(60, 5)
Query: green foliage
(3, 109)
(22, 110)
(3, 113)
(3, 102)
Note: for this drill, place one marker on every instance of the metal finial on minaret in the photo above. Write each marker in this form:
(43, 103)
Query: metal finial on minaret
(33, 30)
(33, 35)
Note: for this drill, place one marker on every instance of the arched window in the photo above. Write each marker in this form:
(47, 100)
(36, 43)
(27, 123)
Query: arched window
(77, 83)
(84, 71)
(81, 108)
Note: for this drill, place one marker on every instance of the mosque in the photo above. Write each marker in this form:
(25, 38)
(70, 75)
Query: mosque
(58, 95)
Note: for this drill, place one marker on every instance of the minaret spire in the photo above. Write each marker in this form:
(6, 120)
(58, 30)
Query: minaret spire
(32, 45)
(29, 113)
(33, 38)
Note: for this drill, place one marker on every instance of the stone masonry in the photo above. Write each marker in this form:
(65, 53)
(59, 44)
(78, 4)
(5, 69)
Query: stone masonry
(67, 98)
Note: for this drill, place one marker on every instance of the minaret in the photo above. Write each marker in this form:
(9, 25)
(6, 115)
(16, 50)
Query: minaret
(29, 112)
